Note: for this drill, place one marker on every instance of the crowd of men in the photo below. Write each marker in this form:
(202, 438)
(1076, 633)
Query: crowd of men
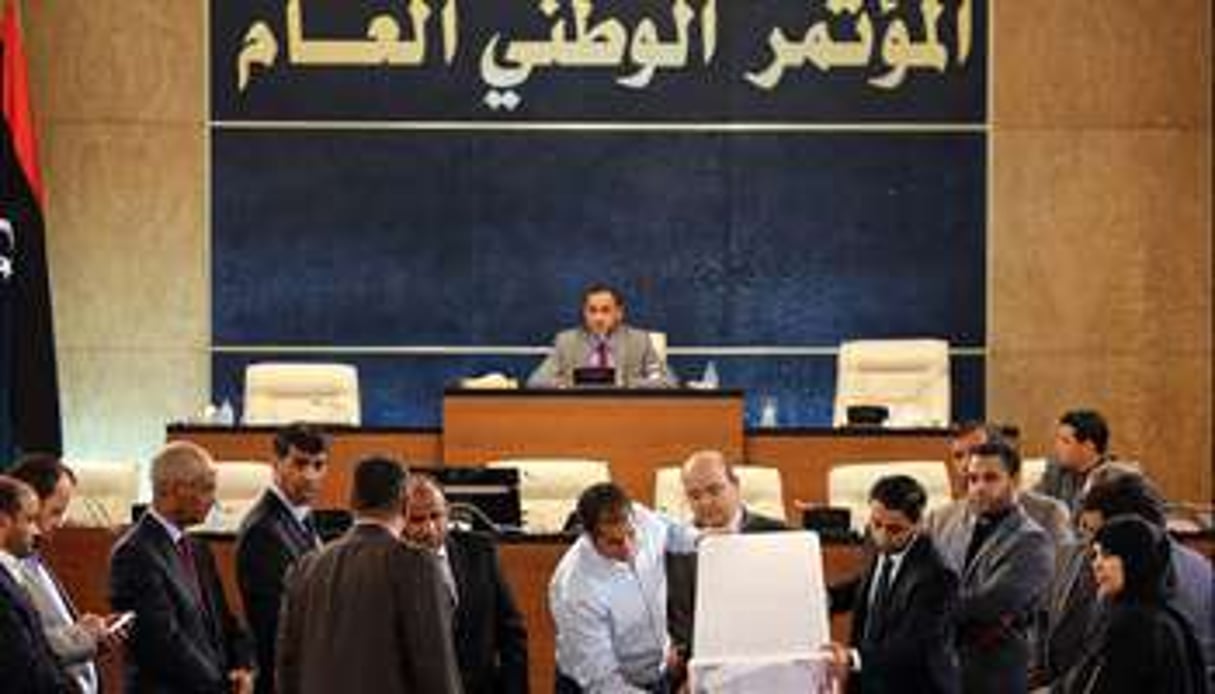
(1071, 587)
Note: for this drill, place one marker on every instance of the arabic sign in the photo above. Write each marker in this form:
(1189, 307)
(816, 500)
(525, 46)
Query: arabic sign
(578, 60)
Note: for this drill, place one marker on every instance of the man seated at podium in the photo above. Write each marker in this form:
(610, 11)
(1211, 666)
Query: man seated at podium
(608, 596)
(603, 350)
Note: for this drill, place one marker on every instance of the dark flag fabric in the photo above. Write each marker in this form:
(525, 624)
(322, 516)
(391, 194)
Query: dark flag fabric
(29, 391)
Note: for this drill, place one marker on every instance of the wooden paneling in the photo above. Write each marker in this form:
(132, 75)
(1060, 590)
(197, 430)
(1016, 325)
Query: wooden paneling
(412, 446)
(636, 433)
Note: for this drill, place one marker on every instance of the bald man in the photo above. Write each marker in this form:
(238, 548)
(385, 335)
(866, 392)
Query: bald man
(710, 486)
(184, 639)
(490, 636)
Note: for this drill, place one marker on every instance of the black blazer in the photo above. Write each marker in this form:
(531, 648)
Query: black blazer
(914, 652)
(1140, 648)
(270, 540)
(27, 665)
(176, 645)
(490, 635)
(681, 584)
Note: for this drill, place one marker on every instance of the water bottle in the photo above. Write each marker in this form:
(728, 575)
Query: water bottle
(767, 412)
(708, 380)
(226, 416)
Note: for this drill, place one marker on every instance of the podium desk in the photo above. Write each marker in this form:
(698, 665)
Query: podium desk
(636, 431)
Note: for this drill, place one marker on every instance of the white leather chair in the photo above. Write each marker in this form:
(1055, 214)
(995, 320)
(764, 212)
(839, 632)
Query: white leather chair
(238, 486)
(280, 393)
(549, 488)
(1032, 470)
(848, 485)
(760, 488)
(105, 491)
(910, 377)
(659, 342)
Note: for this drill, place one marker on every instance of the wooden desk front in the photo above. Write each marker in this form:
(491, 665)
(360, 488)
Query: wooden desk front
(413, 445)
(635, 437)
(635, 431)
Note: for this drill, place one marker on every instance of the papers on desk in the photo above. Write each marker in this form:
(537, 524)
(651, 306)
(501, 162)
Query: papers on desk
(761, 615)
(490, 381)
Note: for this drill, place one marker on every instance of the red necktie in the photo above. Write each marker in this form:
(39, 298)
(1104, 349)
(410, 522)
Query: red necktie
(186, 553)
(601, 354)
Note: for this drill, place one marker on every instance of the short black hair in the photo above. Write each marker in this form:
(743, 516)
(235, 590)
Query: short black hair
(602, 503)
(992, 430)
(1127, 495)
(42, 471)
(302, 437)
(12, 490)
(601, 288)
(378, 484)
(999, 448)
(900, 493)
(1089, 425)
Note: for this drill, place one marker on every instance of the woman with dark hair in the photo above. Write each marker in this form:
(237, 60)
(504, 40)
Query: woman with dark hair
(1141, 644)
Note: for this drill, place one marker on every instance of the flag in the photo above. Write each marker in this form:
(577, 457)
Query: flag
(29, 390)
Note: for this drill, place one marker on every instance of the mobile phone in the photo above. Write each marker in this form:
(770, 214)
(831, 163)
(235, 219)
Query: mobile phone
(121, 623)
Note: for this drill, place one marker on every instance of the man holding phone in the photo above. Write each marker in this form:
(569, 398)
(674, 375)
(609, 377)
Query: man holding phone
(75, 639)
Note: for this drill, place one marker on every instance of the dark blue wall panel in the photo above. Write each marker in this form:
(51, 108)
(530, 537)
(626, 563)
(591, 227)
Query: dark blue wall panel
(398, 238)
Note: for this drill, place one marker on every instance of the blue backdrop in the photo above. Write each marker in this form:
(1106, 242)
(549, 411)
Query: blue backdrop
(826, 209)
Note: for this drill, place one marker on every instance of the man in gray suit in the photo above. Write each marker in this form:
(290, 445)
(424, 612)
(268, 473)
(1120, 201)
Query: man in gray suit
(1048, 512)
(368, 614)
(1005, 561)
(74, 638)
(605, 341)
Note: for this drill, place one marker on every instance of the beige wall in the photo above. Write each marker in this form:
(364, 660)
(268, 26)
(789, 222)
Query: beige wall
(118, 90)
(1100, 282)
(1100, 290)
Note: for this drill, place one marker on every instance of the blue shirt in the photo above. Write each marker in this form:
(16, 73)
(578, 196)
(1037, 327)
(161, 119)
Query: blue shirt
(611, 616)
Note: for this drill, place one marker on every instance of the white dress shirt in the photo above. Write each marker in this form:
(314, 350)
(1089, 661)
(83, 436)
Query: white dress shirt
(611, 616)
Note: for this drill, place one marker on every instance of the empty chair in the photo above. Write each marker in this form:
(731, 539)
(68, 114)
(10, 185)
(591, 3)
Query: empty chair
(279, 393)
(549, 488)
(238, 485)
(848, 485)
(908, 377)
(1032, 470)
(105, 492)
(760, 488)
(659, 342)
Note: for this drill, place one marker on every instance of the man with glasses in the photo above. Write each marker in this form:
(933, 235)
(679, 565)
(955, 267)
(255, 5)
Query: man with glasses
(1005, 561)
(901, 636)
(608, 597)
(277, 531)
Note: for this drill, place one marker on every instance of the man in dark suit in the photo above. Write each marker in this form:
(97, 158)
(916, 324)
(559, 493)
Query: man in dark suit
(184, 638)
(277, 531)
(367, 614)
(27, 664)
(1005, 562)
(490, 636)
(902, 635)
(710, 486)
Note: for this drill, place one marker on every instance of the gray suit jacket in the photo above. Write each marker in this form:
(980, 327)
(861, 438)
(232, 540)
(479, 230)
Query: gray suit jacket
(366, 614)
(71, 644)
(637, 364)
(998, 595)
(1049, 513)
